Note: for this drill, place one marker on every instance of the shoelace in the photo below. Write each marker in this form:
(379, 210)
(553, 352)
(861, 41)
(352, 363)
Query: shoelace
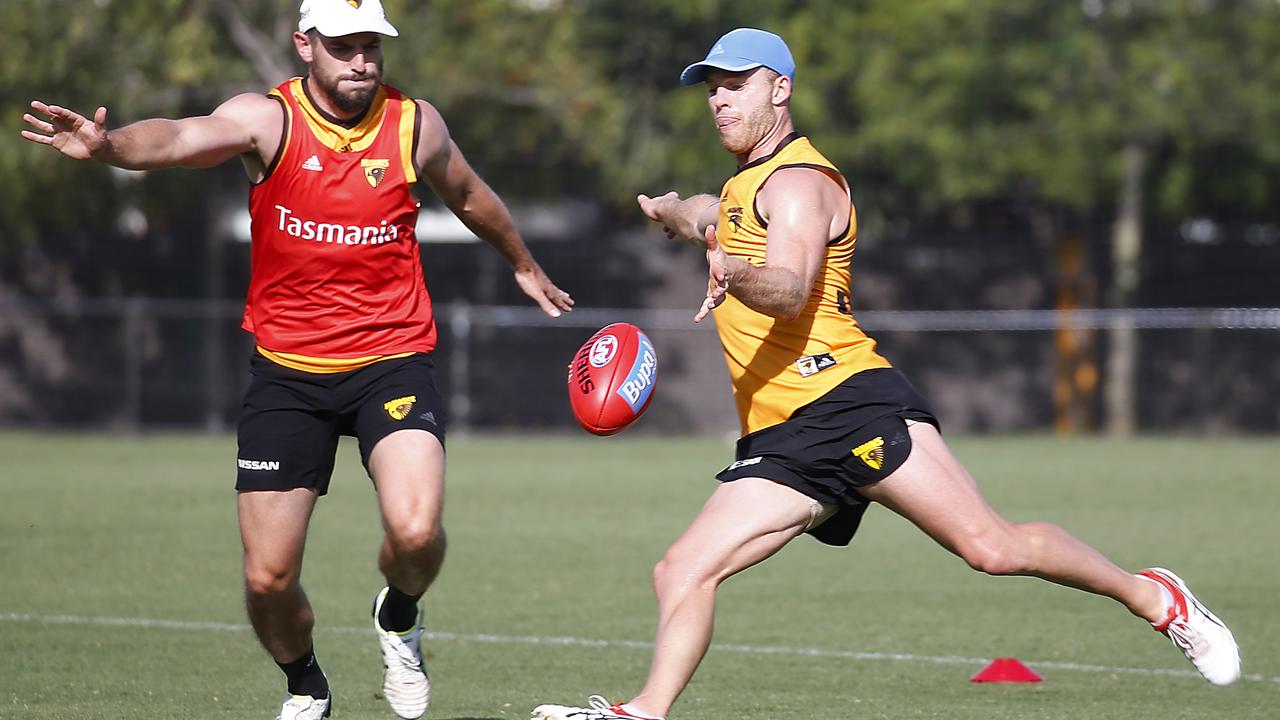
(1186, 637)
(407, 656)
(606, 708)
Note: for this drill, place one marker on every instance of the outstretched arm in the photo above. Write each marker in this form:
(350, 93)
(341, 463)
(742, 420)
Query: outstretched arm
(684, 218)
(244, 124)
(481, 210)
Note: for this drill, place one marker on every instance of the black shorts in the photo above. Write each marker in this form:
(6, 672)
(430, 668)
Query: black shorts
(853, 436)
(291, 420)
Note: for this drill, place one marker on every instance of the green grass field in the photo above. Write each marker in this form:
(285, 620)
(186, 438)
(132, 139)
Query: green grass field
(120, 585)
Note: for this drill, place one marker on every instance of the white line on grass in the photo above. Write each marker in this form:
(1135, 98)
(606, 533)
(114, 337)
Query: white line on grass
(628, 644)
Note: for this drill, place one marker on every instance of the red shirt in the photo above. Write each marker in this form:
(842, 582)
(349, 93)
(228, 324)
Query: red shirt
(336, 269)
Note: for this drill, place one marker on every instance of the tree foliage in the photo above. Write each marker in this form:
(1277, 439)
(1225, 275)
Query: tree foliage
(929, 106)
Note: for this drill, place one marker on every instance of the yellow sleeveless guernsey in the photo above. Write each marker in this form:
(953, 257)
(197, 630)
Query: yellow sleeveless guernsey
(778, 365)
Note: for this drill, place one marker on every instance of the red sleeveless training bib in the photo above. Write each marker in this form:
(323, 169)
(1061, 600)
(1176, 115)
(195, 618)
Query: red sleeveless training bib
(336, 269)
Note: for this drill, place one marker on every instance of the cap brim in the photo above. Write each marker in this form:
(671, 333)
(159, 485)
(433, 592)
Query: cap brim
(381, 27)
(696, 72)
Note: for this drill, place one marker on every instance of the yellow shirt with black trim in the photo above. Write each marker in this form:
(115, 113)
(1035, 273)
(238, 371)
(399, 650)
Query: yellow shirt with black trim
(779, 365)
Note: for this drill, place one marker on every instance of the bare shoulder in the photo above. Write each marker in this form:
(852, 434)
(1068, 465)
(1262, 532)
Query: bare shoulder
(430, 115)
(253, 110)
(433, 133)
(259, 120)
(804, 187)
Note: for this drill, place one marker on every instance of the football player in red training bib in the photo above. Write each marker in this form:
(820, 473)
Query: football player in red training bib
(340, 314)
(828, 425)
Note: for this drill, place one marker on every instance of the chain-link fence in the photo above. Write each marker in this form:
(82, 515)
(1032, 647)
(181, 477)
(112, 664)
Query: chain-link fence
(162, 364)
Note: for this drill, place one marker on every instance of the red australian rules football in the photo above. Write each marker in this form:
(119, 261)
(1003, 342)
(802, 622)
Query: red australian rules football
(611, 378)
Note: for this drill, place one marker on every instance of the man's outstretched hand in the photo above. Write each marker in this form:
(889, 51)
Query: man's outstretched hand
(67, 131)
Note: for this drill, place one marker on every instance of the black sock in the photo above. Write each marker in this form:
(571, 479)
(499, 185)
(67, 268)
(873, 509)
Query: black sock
(305, 676)
(399, 612)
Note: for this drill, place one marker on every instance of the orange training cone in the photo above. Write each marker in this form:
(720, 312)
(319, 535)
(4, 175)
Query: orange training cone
(1009, 670)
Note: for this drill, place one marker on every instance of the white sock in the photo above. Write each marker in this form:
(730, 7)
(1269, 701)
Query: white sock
(1168, 600)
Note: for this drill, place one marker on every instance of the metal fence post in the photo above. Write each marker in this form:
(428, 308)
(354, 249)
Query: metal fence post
(460, 367)
(132, 331)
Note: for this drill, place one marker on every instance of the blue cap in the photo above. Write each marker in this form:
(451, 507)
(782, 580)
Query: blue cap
(743, 49)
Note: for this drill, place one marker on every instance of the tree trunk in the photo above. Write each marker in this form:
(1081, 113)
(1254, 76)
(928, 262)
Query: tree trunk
(1126, 253)
(270, 57)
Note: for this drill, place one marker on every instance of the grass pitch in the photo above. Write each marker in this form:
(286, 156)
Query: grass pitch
(120, 585)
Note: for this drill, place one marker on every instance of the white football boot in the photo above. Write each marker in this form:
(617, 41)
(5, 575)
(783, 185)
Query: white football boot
(600, 710)
(404, 680)
(1198, 633)
(305, 707)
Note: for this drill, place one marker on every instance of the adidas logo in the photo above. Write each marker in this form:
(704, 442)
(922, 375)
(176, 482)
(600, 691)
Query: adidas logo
(313, 163)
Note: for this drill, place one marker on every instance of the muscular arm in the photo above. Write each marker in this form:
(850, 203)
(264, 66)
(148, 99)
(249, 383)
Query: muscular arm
(804, 209)
(244, 125)
(195, 142)
(775, 291)
(471, 199)
(464, 192)
(685, 218)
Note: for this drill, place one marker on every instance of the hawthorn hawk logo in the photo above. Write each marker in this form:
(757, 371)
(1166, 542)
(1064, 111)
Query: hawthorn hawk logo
(355, 3)
(871, 452)
(735, 218)
(399, 408)
(375, 171)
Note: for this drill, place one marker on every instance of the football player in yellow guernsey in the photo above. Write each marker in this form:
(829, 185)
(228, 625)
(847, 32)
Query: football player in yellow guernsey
(828, 426)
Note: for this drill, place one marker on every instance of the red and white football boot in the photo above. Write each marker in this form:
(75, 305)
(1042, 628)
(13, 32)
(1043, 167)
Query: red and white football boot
(600, 710)
(1198, 633)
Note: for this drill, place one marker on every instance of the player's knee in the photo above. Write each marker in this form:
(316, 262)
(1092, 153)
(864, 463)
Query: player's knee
(667, 574)
(263, 579)
(680, 571)
(659, 576)
(995, 554)
(417, 536)
(664, 572)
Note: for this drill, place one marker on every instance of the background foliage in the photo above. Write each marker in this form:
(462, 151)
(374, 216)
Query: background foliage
(931, 105)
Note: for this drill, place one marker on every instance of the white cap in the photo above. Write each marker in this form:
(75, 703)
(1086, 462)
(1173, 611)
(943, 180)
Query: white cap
(335, 18)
